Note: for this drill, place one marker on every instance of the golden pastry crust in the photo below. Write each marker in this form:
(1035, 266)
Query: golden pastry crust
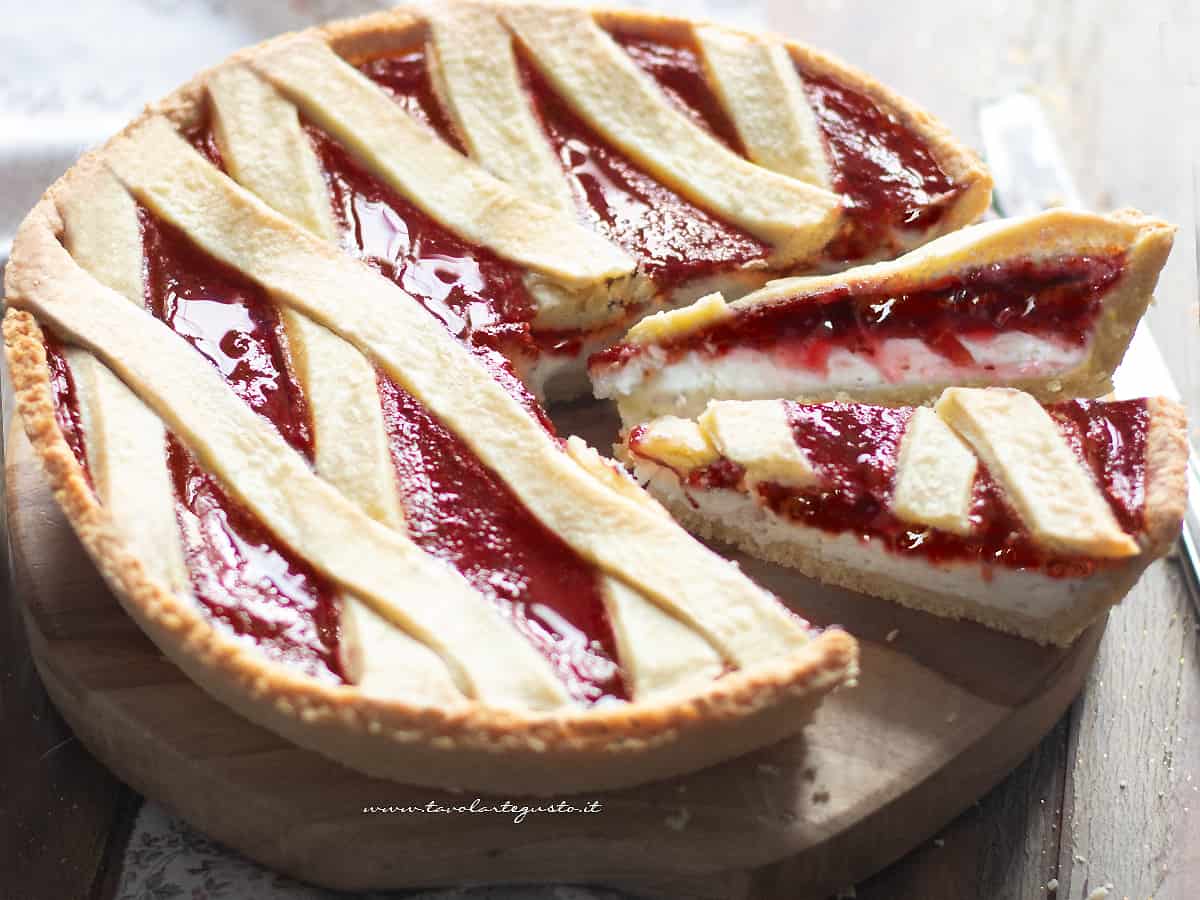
(459, 745)
(1165, 503)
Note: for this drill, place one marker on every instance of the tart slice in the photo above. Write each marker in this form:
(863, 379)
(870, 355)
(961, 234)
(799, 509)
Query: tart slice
(1046, 304)
(1030, 519)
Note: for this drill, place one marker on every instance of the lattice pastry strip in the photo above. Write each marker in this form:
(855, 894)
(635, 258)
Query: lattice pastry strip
(619, 536)
(126, 442)
(605, 87)
(446, 185)
(762, 93)
(1052, 492)
(265, 149)
(476, 69)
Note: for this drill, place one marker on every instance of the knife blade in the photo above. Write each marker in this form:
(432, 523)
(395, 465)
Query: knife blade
(1030, 175)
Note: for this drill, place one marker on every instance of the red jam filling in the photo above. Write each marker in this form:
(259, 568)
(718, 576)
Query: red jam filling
(242, 576)
(478, 297)
(230, 321)
(1055, 300)
(673, 240)
(886, 174)
(855, 448)
(406, 77)
(66, 401)
(680, 73)
(491, 299)
(888, 177)
(247, 580)
(458, 510)
(1111, 438)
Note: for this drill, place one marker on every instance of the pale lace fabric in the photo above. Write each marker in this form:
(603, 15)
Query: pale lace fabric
(52, 107)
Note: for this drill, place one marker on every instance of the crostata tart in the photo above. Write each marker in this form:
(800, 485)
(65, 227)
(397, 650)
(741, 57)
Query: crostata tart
(283, 347)
(1028, 518)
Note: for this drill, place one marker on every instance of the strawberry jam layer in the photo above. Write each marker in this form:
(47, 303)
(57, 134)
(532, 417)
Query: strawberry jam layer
(66, 401)
(1111, 438)
(679, 71)
(854, 448)
(478, 297)
(229, 320)
(1056, 300)
(889, 178)
(247, 580)
(458, 510)
(673, 240)
(406, 77)
(243, 577)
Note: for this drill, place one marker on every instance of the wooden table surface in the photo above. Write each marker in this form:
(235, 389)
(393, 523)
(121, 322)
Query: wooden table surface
(1111, 798)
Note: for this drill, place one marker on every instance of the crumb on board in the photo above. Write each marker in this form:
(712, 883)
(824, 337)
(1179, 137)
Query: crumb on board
(1100, 893)
(678, 821)
(892, 635)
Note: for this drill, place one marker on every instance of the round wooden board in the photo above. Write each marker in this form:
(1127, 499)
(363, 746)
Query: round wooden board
(941, 713)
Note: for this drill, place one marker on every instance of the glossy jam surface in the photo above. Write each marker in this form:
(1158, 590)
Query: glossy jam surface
(66, 401)
(478, 297)
(855, 447)
(673, 240)
(228, 320)
(458, 510)
(679, 71)
(886, 174)
(1111, 438)
(247, 580)
(455, 508)
(243, 577)
(406, 77)
(1057, 300)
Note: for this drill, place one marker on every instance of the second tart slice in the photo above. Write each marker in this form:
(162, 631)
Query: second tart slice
(990, 506)
(1046, 304)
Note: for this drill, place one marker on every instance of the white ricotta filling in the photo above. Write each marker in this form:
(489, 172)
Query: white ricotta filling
(753, 374)
(1019, 591)
(561, 377)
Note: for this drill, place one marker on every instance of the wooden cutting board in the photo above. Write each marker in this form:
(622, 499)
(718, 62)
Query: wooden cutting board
(943, 711)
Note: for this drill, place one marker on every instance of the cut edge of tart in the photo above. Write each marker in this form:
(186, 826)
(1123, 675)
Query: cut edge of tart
(1031, 520)
(494, 744)
(1046, 303)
